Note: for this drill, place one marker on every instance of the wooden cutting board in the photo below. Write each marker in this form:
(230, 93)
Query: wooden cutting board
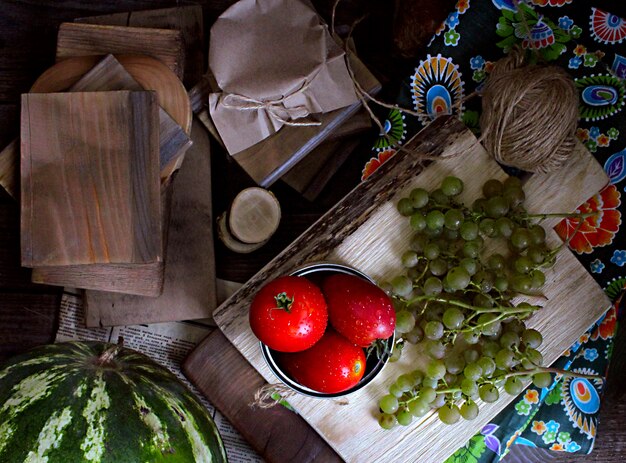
(364, 230)
(90, 191)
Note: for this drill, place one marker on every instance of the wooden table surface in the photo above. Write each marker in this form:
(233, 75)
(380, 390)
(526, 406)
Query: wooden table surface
(29, 312)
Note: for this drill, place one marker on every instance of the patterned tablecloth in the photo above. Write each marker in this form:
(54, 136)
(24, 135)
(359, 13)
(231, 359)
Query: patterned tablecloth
(587, 39)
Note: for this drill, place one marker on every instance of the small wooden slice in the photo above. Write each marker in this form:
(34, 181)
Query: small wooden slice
(230, 241)
(254, 215)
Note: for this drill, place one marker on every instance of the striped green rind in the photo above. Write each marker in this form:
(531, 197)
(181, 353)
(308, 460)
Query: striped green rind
(56, 405)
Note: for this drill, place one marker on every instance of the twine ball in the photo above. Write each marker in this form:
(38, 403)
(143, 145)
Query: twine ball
(530, 115)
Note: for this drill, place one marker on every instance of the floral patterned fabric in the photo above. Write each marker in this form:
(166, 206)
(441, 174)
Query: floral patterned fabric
(588, 39)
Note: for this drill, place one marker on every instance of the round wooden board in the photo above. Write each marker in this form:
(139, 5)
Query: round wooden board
(150, 73)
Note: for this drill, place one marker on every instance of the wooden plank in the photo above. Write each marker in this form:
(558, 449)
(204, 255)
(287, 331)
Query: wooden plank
(151, 74)
(90, 182)
(283, 150)
(189, 288)
(259, 426)
(365, 231)
(91, 39)
(186, 19)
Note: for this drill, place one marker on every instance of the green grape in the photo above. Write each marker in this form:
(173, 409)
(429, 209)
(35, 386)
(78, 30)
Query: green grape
(417, 221)
(453, 219)
(440, 400)
(488, 393)
(396, 354)
(470, 265)
(515, 325)
(395, 391)
(483, 300)
(501, 283)
(388, 403)
(387, 421)
(419, 198)
(438, 267)
(409, 259)
(453, 318)
(473, 371)
(471, 355)
(479, 205)
(454, 364)
(435, 349)
(490, 348)
(484, 279)
(513, 385)
(433, 330)
(427, 394)
(435, 220)
(509, 339)
(488, 227)
(469, 387)
(521, 283)
(505, 359)
(435, 311)
(404, 417)
(430, 382)
(405, 207)
(452, 186)
(538, 279)
(496, 207)
(415, 335)
(458, 278)
(534, 356)
(405, 321)
(418, 242)
(514, 196)
(520, 238)
(450, 379)
(471, 337)
(536, 254)
(504, 226)
(522, 264)
(496, 262)
(432, 286)
(432, 233)
(431, 251)
(449, 414)
(488, 366)
(417, 377)
(471, 249)
(542, 380)
(512, 182)
(418, 407)
(469, 410)
(488, 323)
(436, 369)
(440, 197)
(404, 382)
(532, 338)
(468, 231)
(537, 235)
(492, 188)
(402, 285)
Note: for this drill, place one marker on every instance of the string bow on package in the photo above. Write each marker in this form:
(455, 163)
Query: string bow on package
(276, 64)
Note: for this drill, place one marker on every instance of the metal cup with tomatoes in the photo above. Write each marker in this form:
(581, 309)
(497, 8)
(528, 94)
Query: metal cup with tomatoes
(317, 325)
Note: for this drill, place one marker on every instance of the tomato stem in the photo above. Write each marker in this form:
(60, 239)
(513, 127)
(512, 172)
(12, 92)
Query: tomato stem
(283, 302)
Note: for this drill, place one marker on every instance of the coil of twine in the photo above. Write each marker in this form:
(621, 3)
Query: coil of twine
(529, 115)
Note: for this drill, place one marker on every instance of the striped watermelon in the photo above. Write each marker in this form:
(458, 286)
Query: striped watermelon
(97, 402)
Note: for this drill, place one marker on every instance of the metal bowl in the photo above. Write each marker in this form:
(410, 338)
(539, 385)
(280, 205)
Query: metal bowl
(316, 273)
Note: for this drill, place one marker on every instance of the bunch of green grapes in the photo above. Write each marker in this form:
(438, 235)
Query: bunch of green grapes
(456, 300)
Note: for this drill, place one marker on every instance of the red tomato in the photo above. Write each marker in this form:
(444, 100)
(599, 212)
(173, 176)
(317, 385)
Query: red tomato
(289, 314)
(358, 309)
(332, 365)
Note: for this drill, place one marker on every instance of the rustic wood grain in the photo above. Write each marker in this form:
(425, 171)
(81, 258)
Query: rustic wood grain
(166, 45)
(148, 72)
(278, 434)
(186, 18)
(365, 231)
(189, 287)
(283, 150)
(90, 183)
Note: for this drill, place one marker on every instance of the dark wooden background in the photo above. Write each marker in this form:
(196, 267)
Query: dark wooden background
(28, 312)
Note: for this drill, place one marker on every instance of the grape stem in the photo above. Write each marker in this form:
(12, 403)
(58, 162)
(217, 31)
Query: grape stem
(480, 310)
(550, 370)
(562, 215)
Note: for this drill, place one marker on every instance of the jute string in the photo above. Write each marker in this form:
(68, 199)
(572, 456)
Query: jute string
(529, 115)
